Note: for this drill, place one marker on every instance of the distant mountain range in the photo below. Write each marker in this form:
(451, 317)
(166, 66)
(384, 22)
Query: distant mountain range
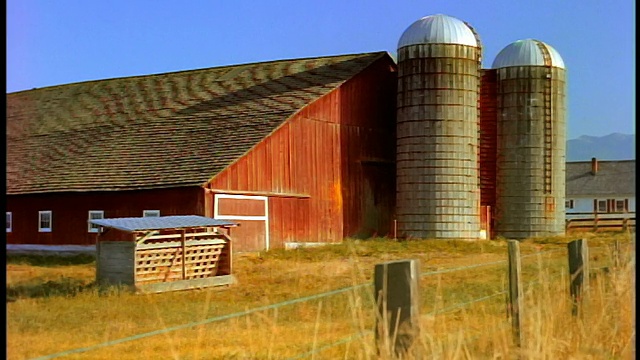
(614, 146)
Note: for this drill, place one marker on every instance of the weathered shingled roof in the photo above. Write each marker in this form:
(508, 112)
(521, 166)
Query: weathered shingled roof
(612, 178)
(165, 130)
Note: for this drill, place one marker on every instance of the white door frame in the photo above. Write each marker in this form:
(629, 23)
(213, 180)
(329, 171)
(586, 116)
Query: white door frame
(264, 218)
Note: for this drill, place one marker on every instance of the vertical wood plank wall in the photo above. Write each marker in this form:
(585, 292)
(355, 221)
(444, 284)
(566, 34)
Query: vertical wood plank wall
(326, 151)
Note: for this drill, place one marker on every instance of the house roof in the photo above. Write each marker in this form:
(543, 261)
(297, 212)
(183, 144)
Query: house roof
(611, 178)
(157, 131)
(161, 222)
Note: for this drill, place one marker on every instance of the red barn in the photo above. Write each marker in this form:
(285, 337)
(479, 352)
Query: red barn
(296, 150)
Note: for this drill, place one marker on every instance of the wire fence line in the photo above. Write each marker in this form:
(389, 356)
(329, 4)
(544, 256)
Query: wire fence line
(464, 304)
(301, 300)
(444, 271)
(202, 322)
(453, 307)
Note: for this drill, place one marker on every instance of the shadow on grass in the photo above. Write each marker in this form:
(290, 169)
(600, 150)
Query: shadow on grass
(50, 260)
(64, 287)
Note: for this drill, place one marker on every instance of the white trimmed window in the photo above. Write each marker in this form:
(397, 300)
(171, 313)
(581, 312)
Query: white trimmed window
(94, 215)
(44, 221)
(150, 213)
(568, 204)
(9, 221)
(602, 206)
(619, 206)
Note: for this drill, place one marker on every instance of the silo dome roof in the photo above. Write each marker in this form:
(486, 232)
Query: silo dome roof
(526, 53)
(438, 29)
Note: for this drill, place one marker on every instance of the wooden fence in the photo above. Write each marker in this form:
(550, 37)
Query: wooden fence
(589, 222)
(396, 288)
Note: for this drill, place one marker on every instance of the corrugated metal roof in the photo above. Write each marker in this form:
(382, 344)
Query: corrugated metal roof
(161, 222)
(612, 178)
(438, 29)
(526, 53)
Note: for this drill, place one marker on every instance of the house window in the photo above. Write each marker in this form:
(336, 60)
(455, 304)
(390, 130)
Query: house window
(44, 221)
(9, 222)
(151, 213)
(568, 204)
(619, 206)
(93, 215)
(602, 206)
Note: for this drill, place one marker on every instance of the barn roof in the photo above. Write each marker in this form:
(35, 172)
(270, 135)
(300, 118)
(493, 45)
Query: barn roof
(161, 222)
(611, 178)
(158, 131)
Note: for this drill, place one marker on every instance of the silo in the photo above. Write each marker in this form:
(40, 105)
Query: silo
(438, 192)
(531, 141)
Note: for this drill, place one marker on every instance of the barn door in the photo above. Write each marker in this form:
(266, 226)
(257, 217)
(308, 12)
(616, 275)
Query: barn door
(252, 213)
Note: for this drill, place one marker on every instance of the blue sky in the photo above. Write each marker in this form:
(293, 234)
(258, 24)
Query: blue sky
(64, 41)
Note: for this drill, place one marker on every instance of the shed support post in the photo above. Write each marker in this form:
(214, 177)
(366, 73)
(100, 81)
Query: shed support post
(397, 320)
(184, 265)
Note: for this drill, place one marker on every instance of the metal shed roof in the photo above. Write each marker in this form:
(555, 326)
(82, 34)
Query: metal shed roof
(526, 52)
(438, 29)
(161, 222)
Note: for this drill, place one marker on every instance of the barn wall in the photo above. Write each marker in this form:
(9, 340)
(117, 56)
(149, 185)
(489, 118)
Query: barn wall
(325, 163)
(296, 160)
(368, 144)
(70, 212)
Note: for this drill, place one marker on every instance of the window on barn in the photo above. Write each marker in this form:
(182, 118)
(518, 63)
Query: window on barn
(602, 206)
(151, 213)
(44, 221)
(9, 221)
(93, 215)
(568, 204)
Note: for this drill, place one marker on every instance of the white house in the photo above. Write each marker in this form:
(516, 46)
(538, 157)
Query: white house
(601, 190)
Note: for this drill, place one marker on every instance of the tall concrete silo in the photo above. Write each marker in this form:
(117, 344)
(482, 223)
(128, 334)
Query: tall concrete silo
(531, 141)
(438, 192)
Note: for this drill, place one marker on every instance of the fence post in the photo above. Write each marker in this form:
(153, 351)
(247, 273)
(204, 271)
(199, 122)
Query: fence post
(616, 254)
(396, 294)
(578, 271)
(515, 291)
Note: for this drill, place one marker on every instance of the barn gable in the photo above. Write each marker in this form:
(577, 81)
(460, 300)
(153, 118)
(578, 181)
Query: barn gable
(158, 131)
(327, 173)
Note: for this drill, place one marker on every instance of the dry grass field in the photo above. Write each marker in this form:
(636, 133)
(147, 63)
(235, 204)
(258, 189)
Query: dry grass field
(53, 307)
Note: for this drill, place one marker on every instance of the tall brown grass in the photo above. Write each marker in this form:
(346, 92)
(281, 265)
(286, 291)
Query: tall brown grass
(340, 326)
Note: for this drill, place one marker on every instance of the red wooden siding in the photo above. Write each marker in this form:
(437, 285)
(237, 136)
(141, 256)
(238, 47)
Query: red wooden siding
(331, 164)
(368, 143)
(251, 235)
(288, 220)
(488, 138)
(70, 212)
